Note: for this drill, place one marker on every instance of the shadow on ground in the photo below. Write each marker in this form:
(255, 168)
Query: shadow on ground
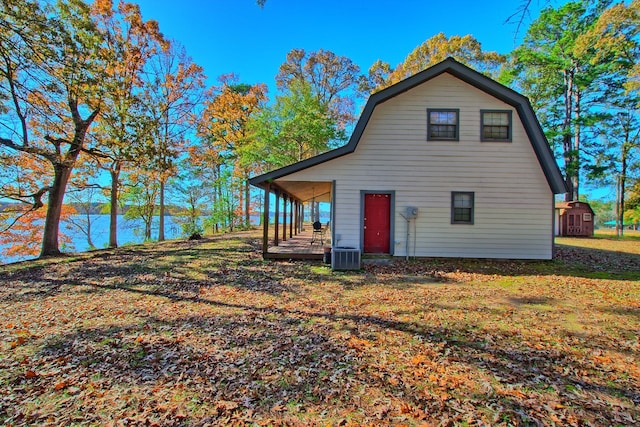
(181, 337)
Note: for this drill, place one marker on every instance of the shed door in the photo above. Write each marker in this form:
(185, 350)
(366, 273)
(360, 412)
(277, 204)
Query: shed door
(377, 223)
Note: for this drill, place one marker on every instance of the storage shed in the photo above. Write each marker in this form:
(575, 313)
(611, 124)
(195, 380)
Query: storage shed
(574, 218)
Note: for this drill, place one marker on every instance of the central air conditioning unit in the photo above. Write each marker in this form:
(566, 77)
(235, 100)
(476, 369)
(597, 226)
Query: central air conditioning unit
(345, 258)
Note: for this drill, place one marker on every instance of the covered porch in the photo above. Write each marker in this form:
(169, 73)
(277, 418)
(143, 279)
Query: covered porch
(298, 246)
(286, 234)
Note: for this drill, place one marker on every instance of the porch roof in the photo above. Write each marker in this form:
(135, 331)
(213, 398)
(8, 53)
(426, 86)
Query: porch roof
(304, 191)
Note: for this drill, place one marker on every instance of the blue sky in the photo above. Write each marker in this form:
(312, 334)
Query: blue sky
(238, 36)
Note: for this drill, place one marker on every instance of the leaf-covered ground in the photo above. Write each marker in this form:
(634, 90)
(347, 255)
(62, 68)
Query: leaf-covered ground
(207, 333)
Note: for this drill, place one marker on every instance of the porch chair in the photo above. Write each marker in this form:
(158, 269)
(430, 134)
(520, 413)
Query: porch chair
(318, 233)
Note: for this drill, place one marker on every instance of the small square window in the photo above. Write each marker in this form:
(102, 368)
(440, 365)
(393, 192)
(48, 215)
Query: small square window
(462, 205)
(442, 124)
(496, 126)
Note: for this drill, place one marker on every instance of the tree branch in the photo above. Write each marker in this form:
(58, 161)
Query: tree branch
(28, 149)
(37, 204)
(95, 153)
(518, 17)
(37, 197)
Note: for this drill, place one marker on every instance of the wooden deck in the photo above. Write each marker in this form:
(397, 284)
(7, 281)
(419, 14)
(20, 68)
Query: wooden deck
(299, 247)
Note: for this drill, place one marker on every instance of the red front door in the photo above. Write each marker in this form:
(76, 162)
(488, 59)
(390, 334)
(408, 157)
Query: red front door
(377, 223)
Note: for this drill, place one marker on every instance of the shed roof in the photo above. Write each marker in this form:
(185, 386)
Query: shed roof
(464, 73)
(572, 204)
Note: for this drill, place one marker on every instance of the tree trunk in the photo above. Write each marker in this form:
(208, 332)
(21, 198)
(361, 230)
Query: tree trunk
(623, 179)
(147, 228)
(217, 198)
(230, 213)
(575, 179)
(618, 214)
(237, 217)
(61, 174)
(161, 222)
(88, 217)
(247, 203)
(54, 211)
(566, 133)
(113, 212)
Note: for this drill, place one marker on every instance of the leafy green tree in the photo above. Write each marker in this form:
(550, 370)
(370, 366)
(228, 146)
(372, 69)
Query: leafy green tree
(562, 80)
(297, 127)
(224, 212)
(632, 214)
(604, 211)
(613, 44)
(618, 155)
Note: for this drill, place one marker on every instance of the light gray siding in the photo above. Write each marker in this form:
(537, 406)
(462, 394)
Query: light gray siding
(512, 217)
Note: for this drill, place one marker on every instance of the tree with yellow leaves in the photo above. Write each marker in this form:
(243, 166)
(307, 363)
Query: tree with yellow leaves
(224, 134)
(465, 49)
(129, 43)
(50, 68)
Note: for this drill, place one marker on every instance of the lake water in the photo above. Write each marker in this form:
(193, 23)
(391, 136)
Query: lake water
(129, 232)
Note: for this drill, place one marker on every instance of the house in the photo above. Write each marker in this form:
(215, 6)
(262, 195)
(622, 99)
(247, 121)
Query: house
(574, 218)
(447, 163)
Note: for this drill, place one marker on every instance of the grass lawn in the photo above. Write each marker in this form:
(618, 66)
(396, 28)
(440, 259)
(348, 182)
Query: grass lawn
(206, 332)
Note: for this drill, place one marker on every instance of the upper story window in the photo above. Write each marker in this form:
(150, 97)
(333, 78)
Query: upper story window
(496, 125)
(443, 124)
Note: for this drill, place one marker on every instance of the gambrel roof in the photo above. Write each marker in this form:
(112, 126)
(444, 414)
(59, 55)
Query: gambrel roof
(519, 102)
